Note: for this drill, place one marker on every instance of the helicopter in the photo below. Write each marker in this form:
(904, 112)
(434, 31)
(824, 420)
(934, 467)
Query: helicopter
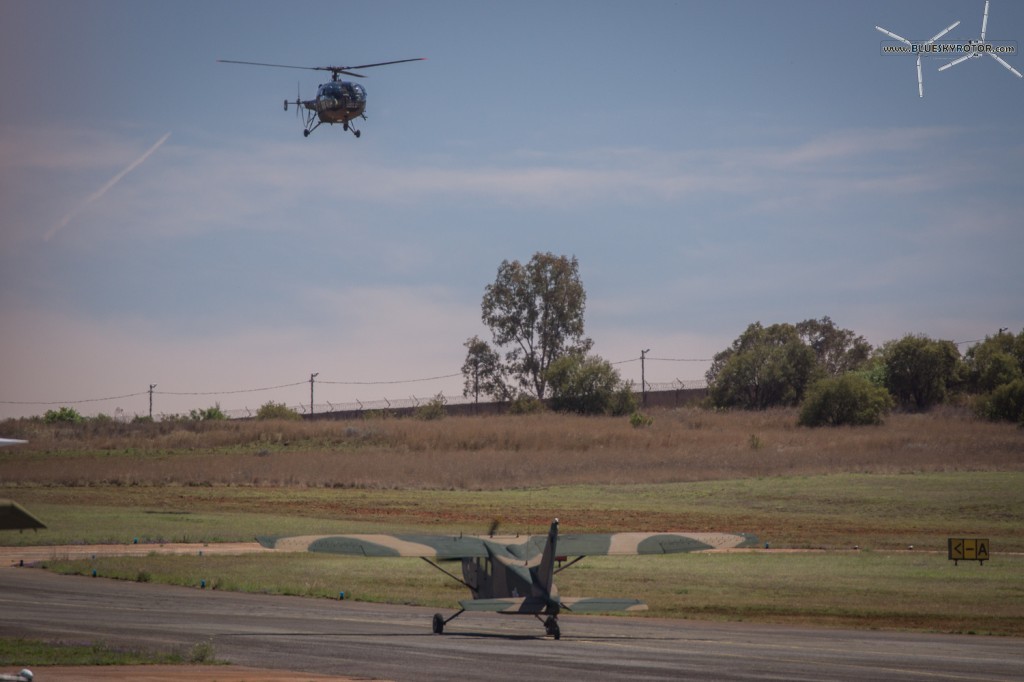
(339, 101)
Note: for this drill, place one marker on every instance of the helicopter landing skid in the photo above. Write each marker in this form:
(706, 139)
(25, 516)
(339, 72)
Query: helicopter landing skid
(311, 126)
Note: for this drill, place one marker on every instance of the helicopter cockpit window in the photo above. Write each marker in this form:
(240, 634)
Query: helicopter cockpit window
(331, 90)
(355, 91)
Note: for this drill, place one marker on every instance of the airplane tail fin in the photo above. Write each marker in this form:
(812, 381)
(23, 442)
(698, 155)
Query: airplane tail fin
(544, 578)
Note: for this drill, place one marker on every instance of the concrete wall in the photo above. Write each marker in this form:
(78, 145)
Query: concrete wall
(655, 399)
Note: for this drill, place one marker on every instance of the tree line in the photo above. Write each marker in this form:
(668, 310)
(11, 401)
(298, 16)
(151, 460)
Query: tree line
(538, 352)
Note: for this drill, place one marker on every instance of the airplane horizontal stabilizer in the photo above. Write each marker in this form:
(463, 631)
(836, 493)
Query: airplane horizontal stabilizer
(528, 605)
(601, 605)
(506, 605)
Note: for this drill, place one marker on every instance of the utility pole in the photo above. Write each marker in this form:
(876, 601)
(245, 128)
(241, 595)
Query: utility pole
(476, 382)
(151, 387)
(643, 377)
(311, 377)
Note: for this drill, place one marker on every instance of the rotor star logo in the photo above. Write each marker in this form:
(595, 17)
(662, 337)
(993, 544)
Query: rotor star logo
(961, 51)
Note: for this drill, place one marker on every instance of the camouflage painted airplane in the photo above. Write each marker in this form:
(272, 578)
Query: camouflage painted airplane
(512, 574)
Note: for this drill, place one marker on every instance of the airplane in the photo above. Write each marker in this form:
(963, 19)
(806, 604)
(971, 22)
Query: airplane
(336, 102)
(512, 574)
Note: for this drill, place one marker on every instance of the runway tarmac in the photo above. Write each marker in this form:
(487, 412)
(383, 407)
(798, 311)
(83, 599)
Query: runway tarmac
(395, 642)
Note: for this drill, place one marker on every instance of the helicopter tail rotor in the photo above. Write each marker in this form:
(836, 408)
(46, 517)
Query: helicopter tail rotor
(297, 102)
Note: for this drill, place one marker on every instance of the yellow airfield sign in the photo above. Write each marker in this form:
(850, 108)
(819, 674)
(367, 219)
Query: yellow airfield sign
(968, 549)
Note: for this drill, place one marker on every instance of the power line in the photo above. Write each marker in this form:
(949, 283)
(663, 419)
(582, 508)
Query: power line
(71, 402)
(243, 390)
(379, 383)
(232, 392)
(623, 362)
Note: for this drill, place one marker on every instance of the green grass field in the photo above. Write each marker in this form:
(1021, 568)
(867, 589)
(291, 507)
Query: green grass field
(914, 482)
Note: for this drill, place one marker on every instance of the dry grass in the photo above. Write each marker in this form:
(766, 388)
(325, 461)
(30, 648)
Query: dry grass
(492, 453)
(495, 452)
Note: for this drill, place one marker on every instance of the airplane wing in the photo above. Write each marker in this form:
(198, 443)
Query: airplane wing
(650, 543)
(14, 517)
(467, 546)
(429, 546)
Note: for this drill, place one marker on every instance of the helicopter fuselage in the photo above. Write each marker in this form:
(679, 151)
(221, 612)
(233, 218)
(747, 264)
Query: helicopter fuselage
(338, 101)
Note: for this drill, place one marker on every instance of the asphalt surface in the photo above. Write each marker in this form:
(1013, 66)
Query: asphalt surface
(395, 642)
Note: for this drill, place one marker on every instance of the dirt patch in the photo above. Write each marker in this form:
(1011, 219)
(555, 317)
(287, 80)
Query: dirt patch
(12, 556)
(174, 673)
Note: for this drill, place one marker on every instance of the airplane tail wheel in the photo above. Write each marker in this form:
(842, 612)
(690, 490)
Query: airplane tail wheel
(438, 624)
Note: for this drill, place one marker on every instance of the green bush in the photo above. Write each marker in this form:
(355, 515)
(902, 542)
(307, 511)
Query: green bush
(434, 409)
(624, 400)
(526, 404)
(272, 410)
(1005, 403)
(851, 399)
(209, 414)
(65, 415)
(638, 419)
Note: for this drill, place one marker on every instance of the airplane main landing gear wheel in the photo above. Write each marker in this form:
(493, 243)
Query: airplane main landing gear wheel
(551, 627)
(438, 624)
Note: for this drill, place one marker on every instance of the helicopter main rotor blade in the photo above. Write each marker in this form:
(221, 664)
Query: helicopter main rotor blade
(942, 33)
(333, 69)
(955, 62)
(367, 66)
(893, 35)
(999, 59)
(279, 66)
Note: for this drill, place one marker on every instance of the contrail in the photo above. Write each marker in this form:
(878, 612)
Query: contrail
(104, 189)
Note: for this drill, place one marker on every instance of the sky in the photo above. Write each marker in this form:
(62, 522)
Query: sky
(164, 222)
